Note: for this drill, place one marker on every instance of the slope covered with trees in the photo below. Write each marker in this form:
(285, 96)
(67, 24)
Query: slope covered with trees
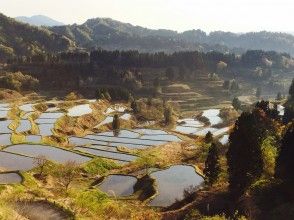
(21, 39)
(111, 34)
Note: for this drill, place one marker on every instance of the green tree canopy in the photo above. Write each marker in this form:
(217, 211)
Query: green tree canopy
(245, 162)
(212, 166)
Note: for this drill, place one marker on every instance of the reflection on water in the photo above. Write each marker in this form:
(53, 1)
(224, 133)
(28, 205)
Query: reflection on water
(213, 116)
(51, 153)
(118, 185)
(107, 154)
(11, 162)
(5, 139)
(79, 110)
(24, 125)
(4, 126)
(172, 183)
(10, 178)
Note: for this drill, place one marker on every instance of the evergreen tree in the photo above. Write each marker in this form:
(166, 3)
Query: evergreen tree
(170, 73)
(236, 103)
(234, 86)
(279, 96)
(212, 166)
(285, 162)
(291, 90)
(135, 107)
(116, 123)
(226, 84)
(208, 137)
(289, 106)
(168, 113)
(244, 156)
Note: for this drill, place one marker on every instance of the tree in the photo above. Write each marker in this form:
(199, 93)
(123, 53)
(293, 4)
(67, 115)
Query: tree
(258, 92)
(208, 137)
(279, 96)
(212, 166)
(285, 162)
(236, 103)
(170, 73)
(168, 112)
(66, 173)
(289, 106)
(135, 107)
(40, 161)
(226, 84)
(291, 89)
(116, 122)
(234, 86)
(244, 156)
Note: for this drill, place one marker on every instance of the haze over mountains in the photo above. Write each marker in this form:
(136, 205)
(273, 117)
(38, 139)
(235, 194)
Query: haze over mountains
(110, 34)
(39, 20)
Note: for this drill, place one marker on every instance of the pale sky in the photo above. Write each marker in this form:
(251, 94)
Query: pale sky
(180, 15)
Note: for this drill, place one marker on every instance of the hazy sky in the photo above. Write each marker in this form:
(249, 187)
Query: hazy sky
(208, 15)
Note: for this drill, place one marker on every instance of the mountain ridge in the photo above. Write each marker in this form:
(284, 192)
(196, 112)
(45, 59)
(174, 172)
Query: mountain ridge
(39, 20)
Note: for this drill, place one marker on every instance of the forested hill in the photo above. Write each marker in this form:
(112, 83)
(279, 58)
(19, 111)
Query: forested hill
(20, 39)
(111, 34)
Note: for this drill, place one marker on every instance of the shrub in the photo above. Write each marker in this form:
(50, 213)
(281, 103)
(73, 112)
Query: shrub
(18, 81)
(115, 93)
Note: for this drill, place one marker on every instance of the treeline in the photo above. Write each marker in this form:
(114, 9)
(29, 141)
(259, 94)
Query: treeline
(189, 59)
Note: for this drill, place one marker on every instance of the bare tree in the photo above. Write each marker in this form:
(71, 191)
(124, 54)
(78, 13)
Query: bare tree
(40, 161)
(67, 173)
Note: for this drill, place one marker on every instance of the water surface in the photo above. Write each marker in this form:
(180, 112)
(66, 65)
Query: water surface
(12, 162)
(79, 110)
(10, 178)
(4, 126)
(46, 129)
(24, 125)
(27, 107)
(5, 139)
(118, 185)
(172, 183)
(107, 154)
(224, 139)
(51, 153)
(51, 115)
(213, 116)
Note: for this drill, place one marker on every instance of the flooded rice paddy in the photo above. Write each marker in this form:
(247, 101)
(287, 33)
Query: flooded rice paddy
(79, 110)
(118, 185)
(51, 153)
(10, 178)
(172, 183)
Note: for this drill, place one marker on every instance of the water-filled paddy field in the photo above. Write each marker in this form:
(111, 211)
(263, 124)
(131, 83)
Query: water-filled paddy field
(30, 134)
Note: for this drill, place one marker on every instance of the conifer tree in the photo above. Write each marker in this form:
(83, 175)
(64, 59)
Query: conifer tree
(285, 162)
(212, 166)
(244, 156)
(208, 137)
(116, 123)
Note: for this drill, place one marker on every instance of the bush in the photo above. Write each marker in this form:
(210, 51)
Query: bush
(113, 93)
(18, 81)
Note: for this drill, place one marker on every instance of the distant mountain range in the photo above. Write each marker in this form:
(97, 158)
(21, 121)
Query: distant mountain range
(17, 38)
(111, 34)
(39, 20)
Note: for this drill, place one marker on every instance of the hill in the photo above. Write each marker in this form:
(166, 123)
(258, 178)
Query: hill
(112, 34)
(21, 39)
(39, 20)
